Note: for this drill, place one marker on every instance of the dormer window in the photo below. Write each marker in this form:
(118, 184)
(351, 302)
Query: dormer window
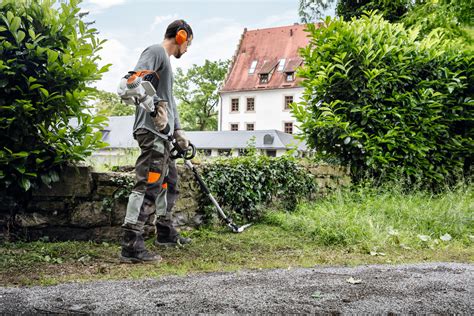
(266, 71)
(253, 66)
(290, 68)
(290, 76)
(263, 78)
(281, 64)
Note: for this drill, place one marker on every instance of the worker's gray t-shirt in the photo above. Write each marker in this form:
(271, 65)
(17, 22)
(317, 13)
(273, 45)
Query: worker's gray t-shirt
(155, 58)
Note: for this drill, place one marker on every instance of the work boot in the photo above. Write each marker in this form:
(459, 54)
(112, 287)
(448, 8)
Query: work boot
(133, 249)
(168, 236)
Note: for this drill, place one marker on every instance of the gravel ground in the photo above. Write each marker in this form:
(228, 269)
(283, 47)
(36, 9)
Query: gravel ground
(439, 288)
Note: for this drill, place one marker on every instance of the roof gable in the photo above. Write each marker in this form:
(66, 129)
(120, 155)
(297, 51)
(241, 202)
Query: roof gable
(267, 47)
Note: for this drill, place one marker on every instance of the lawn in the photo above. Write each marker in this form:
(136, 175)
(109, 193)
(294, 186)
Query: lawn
(360, 226)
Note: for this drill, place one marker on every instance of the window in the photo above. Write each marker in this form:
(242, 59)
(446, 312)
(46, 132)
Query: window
(224, 152)
(263, 78)
(281, 65)
(235, 105)
(234, 127)
(250, 126)
(271, 153)
(250, 104)
(290, 76)
(243, 152)
(289, 128)
(288, 101)
(205, 152)
(252, 67)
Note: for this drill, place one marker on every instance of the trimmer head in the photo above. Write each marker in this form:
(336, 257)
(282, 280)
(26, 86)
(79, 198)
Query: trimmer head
(237, 229)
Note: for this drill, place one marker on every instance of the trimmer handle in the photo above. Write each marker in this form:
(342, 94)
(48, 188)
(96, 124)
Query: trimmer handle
(178, 152)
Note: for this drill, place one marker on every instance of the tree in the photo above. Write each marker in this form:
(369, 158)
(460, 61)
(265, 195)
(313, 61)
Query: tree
(312, 10)
(47, 63)
(109, 104)
(196, 91)
(392, 10)
(388, 102)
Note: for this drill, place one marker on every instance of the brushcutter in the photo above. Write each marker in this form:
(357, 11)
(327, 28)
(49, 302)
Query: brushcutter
(188, 154)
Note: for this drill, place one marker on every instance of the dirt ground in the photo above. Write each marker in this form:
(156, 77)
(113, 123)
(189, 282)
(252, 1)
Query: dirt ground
(439, 288)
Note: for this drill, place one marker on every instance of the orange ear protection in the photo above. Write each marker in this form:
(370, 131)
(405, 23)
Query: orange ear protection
(182, 34)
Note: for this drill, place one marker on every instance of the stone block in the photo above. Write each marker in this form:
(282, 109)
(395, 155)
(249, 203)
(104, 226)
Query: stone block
(108, 233)
(55, 233)
(110, 178)
(90, 214)
(106, 190)
(119, 209)
(188, 205)
(47, 206)
(73, 181)
(40, 219)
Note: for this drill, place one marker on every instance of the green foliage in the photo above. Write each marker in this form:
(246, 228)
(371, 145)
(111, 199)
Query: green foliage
(454, 17)
(109, 104)
(196, 91)
(48, 58)
(387, 103)
(245, 184)
(392, 10)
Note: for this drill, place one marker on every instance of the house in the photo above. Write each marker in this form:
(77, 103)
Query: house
(123, 149)
(261, 81)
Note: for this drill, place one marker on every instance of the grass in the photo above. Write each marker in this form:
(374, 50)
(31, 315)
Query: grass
(361, 226)
(368, 218)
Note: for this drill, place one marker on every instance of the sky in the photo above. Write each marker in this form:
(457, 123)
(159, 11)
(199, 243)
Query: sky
(129, 26)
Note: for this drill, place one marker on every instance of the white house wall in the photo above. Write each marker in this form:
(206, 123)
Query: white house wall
(269, 109)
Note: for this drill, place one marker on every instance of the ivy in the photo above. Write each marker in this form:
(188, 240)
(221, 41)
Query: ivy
(245, 185)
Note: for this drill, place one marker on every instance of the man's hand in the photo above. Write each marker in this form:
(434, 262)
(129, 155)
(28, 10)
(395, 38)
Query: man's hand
(160, 116)
(181, 139)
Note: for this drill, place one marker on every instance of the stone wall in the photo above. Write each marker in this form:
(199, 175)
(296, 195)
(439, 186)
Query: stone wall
(86, 205)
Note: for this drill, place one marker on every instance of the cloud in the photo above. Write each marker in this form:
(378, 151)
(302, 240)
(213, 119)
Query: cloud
(279, 20)
(104, 4)
(221, 45)
(162, 18)
(122, 59)
(99, 6)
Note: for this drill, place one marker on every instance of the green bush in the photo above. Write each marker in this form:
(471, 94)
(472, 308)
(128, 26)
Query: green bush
(48, 60)
(245, 184)
(386, 102)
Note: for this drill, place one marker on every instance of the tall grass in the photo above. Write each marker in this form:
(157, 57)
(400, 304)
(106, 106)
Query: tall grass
(374, 218)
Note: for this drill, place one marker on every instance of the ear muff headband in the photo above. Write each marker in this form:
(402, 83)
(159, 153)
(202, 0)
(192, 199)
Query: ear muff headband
(181, 35)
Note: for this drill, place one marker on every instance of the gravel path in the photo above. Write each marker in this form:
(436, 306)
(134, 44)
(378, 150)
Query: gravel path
(440, 288)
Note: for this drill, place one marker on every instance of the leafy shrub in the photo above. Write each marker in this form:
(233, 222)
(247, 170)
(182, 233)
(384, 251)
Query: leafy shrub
(386, 102)
(245, 184)
(47, 61)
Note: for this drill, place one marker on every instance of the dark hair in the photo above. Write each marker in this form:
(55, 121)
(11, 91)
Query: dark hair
(175, 25)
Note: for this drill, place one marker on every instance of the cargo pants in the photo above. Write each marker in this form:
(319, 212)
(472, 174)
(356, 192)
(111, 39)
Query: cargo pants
(155, 188)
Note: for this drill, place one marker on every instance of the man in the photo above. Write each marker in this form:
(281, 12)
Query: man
(156, 175)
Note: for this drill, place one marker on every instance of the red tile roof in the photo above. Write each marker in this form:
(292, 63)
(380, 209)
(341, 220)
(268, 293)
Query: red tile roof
(267, 46)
